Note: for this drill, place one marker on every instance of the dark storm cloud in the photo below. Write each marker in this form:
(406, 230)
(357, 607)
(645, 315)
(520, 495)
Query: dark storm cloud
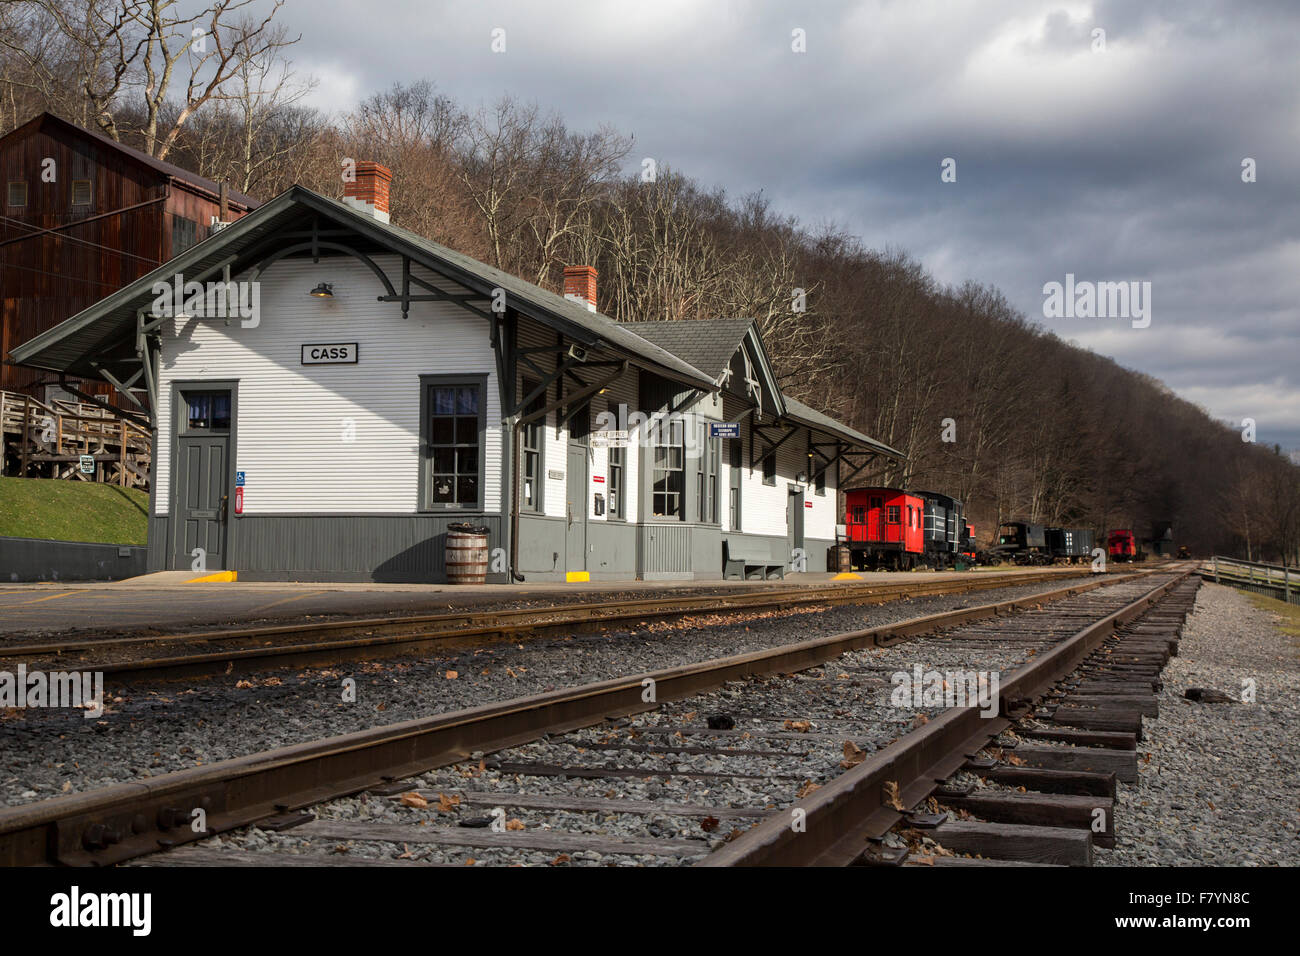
(1115, 165)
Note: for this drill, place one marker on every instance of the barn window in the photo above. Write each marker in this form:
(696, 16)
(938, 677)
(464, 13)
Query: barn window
(17, 192)
(617, 466)
(534, 432)
(81, 192)
(669, 468)
(185, 233)
(452, 424)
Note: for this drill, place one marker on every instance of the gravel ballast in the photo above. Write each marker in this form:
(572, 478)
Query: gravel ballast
(156, 729)
(1219, 784)
(781, 737)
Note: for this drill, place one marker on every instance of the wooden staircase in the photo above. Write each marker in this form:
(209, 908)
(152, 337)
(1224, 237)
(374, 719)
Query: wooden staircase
(42, 440)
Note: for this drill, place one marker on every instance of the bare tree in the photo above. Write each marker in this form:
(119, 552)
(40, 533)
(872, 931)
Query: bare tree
(146, 56)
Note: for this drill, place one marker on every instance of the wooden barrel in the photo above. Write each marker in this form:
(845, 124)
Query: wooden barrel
(466, 557)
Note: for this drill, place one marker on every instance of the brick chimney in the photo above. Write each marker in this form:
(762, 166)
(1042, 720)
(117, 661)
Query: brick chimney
(580, 285)
(369, 193)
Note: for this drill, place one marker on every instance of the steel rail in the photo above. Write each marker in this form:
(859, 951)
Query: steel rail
(835, 822)
(332, 641)
(127, 820)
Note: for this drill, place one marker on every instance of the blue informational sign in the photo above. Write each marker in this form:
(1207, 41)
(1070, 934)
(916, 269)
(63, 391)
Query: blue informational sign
(239, 479)
(724, 429)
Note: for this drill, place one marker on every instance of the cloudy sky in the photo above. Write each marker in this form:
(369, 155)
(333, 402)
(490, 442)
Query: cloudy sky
(1115, 157)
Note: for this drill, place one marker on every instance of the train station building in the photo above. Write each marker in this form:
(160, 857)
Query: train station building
(329, 393)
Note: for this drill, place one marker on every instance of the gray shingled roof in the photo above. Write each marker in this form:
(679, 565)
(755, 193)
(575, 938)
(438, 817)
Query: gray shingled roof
(708, 344)
(801, 413)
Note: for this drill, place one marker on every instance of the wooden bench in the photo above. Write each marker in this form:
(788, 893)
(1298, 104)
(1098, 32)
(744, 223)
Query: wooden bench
(749, 561)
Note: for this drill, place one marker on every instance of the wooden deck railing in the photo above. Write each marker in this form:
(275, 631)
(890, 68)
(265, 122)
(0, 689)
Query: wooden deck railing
(41, 440)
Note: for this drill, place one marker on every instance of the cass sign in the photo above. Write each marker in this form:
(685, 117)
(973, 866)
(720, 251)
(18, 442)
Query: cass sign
(335, 353)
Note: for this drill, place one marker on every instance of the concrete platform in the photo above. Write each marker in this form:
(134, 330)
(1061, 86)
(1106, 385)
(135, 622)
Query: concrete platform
(167, 601)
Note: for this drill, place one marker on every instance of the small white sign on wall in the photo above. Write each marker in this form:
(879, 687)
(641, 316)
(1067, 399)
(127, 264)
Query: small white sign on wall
(330, 353)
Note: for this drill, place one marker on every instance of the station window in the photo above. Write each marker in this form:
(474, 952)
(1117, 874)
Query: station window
(769, 468)
(707, 490)
(892, 514)
(669, 468)
(81, 192)
(819, 483)
(17, 192)
(733, 492)
(207, 412)
(533, 438)
(452, 463)
(617, 465)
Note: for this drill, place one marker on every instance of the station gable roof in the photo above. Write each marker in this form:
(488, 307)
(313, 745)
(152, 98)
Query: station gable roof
(715, 347)
(106, 331)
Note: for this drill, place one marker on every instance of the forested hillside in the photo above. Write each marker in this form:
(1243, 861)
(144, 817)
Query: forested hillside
(1042, 430)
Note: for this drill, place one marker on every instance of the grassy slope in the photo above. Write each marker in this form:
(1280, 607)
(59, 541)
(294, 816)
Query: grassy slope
(72, 511)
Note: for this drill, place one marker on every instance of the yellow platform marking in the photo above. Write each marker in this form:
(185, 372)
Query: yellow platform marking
(577, 577)
(51, 597)
(847, 576)
(219, 576)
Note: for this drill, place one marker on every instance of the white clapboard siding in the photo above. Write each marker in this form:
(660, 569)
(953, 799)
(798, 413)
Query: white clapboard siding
(292, 418)
(820, 520)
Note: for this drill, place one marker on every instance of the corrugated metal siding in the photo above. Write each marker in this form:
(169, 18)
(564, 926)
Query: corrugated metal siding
(291, 417)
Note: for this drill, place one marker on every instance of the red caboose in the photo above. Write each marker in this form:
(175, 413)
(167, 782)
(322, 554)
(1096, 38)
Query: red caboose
(884, 527)
(1121, 545)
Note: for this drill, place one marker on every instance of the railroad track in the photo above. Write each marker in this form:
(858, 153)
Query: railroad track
(817, 740)
(243, 650)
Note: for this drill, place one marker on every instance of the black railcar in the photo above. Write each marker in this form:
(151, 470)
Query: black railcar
(1070, 544)
(1022, 543)
(945, 523)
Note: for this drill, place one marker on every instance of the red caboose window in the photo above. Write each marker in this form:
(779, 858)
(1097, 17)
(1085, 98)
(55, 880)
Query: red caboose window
(892, 514)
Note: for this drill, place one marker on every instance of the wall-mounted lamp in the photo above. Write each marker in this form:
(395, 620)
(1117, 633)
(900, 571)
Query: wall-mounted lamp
(323, 291)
